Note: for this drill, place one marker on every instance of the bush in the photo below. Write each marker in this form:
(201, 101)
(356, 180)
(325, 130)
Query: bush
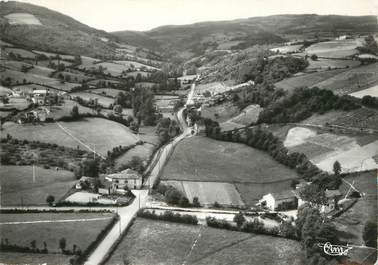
(169, 216)
(221, 224)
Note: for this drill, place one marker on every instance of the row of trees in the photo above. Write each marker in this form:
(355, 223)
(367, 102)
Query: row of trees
(167, 129)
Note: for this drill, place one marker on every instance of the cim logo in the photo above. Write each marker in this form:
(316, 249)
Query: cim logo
(334, 250)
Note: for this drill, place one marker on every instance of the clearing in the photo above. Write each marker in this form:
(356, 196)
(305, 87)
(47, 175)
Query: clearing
(372, 91)
(18, 187)
(22, 19)
(154, 242)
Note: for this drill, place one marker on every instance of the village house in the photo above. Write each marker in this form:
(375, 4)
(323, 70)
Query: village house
(125, 179)
(283, 200)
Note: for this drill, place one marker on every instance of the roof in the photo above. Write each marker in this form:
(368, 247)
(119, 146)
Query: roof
(332, 193)
(40, 91)
(286, 194)
(125, 174)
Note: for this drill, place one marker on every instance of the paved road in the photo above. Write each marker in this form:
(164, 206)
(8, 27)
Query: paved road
(126, 215)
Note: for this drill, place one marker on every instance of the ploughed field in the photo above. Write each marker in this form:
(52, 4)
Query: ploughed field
(200, 163)
(88, 134)
(156, 242)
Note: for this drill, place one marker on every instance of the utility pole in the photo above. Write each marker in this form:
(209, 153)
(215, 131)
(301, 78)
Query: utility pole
(33, 173)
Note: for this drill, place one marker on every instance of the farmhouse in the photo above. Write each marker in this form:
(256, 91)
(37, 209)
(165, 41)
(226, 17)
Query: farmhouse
(279, 201)
(125, 179)
(332, 197)
(187, 79)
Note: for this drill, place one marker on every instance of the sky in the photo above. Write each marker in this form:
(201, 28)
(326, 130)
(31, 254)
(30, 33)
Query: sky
(114, 15)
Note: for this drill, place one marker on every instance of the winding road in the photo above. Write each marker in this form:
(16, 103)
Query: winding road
(127, 214)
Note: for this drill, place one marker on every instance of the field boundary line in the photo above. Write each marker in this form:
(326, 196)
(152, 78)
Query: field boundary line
(231, 182)
(78, 140)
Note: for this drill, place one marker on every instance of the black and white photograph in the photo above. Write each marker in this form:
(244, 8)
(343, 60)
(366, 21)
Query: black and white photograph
(188, 132)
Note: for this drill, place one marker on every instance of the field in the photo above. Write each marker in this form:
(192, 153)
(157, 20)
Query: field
(287, 48)
(208, 193)
(352, 80)
(75, 76)
(327, 64)
(248, 115)
(143, 151)
(21, 52)
(102, 100)
(53, 227)
(129, 64)
(17, 103)
(110, 92)
(324, 149)
(352, 221)
(221, 112)
(88, 62)
(22, 19)
(64, 110)
(41, 70)
(364, 118)
(5, 91)
(33, 259)
(94, 132)
(335, 48)
(372, 91)
(203, 159)
(306, 80)
(19, 77)
(150, 242)
(114, 69)
(18, 188)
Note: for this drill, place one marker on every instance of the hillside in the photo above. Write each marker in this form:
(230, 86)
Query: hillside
(36, 27)
(197, 38)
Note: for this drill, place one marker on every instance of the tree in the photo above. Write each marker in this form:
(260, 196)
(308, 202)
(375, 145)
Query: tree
(75, 112)
(172, 195)
(196, 202)
(239, 219)
(50, 200)
(117, 109)
(33, 244)
(136, 164)
(314, 57)
(62, 244)
(337, 168)
(90, 168)
(370, 234)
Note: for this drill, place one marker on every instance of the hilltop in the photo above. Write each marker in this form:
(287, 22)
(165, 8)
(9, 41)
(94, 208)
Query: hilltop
(37, 27)
(195, 39)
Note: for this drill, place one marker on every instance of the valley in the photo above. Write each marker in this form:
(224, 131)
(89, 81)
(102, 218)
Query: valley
(248, 141)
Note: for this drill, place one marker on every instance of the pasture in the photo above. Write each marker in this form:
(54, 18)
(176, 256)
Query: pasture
(155, 242)
(89, 133)
(353, 220)
(248, 115)
(114, 69)
(59, 111)
(220, 112)
(18, 187)
(51, 227)
(18, 78)
(203, 160)
(102, 100)
(20, 52)
(328, 64)
(110, 92)
(208, 193)
(133, 64)
(88, 62)
(33, 258)
(335, 48)
(15, 103)
(143, 151)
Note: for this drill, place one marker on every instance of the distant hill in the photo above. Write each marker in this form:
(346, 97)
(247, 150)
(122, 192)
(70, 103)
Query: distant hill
(194, 39)
(40, 28)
